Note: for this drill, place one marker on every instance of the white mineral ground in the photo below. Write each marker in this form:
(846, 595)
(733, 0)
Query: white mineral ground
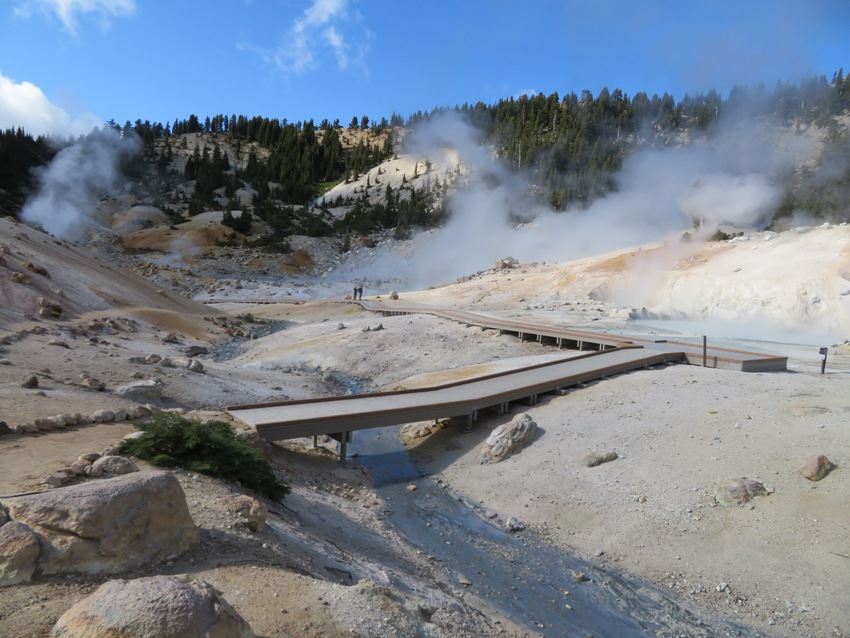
(679, 431)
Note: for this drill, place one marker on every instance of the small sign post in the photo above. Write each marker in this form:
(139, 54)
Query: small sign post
(823, 352)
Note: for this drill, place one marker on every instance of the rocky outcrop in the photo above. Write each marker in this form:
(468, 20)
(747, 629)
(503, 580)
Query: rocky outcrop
(103, 527)
(508, 438)
(155, 607)
(816, 467)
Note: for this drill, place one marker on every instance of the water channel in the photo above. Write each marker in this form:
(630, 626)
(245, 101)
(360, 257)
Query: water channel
(531, 583)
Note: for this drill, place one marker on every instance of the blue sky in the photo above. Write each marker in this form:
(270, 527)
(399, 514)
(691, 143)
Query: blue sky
(68, 64)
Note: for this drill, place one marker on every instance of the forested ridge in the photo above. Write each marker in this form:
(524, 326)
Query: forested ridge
(569, 147)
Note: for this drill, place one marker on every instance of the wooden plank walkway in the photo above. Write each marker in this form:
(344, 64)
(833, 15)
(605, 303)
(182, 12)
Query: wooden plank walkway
(339, 416)
(607, 355)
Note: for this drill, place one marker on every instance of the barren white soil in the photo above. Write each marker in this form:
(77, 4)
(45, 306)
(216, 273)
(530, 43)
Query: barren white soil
(780, 564)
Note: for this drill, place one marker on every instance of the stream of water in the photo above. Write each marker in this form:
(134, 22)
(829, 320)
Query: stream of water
(531, 583)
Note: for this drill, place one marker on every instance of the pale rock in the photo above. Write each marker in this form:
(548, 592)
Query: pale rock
(78, 467)
(102, 416)
(251, 512)
(93, 384)
(47, 424)
(739, 491)
(593, 459)
(105, 527)
(816, 467)
(94, 472)
(113, 464)
(508, 438)
(196, 366)
(19, 550)
(153, 607)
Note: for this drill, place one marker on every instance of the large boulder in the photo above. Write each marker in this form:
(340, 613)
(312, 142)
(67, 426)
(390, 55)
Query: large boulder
(155, 607)
(107, 526)
(508, 438)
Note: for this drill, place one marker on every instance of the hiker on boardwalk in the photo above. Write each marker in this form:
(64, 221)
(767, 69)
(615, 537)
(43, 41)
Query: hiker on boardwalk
(359, 292)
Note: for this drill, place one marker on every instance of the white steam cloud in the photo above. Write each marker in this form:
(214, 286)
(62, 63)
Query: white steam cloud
(725, 180)
(77, 178)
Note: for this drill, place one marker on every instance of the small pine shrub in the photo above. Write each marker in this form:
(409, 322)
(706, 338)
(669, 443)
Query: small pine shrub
(209, 447)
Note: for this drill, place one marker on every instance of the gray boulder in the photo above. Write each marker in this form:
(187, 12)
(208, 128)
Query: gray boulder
(508, 438)
(105, 527)
(155, 607)
(147, 391)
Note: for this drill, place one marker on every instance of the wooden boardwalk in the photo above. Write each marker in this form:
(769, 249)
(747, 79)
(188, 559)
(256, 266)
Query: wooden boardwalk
(606, 355)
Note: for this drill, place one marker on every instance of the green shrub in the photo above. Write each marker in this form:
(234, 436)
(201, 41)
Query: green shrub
(209, 447)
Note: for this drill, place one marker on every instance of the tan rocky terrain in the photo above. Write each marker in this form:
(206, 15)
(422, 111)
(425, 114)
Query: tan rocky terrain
(778, 564)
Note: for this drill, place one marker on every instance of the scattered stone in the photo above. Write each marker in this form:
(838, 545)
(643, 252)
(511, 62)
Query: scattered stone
(411, 488)
(20, 278)
(393, 295)
(146, 391)
(169, 337)
(251, 512)
(194, 351)
(92, 384)
(816, 467)
(50, 423)
(36, 269)
(105, 527)
(508, 439)
(416, 431)
(513, 525)
(739, 491)
(111, 464)
(505, 263)
(598, 458)
(30, 382)
(162, 606)
(58, 342)
(102, 416)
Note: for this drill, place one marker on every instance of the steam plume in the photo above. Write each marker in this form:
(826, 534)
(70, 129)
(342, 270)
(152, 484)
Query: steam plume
(75, 180)
(725, 179)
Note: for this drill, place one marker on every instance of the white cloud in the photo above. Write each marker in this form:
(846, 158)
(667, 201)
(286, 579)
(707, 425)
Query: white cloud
(68, 10)
(323, 27)
(25, 105)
